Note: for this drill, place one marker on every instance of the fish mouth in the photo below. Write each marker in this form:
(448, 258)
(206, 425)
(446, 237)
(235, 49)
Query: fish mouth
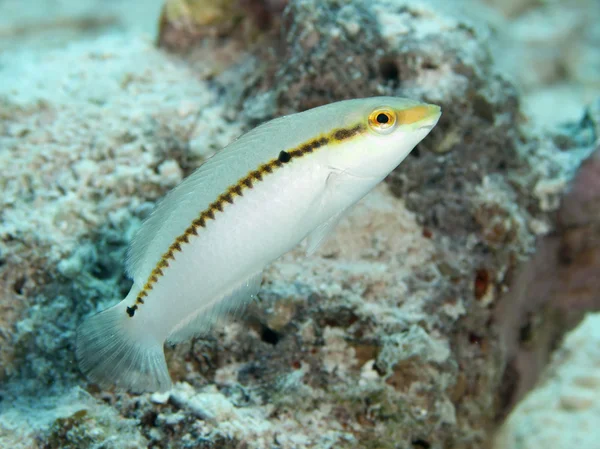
(434, 113)
(426, 127)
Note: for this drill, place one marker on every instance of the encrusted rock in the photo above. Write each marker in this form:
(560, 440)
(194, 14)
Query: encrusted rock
(566, 397)
(392, 335)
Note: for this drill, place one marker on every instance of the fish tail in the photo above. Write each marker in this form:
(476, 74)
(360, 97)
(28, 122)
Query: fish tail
(114, 351)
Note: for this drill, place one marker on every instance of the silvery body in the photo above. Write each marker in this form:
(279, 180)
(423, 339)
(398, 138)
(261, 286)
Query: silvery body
(202, 251)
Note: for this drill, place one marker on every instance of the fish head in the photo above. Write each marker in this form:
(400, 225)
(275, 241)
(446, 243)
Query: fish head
(381, 132)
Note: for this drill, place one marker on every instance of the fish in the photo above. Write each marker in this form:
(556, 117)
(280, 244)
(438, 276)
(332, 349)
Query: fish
(201, 253)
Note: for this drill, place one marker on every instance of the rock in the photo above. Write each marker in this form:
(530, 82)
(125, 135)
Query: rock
(562, 411)
(55, 23)
(70, 420)
(558, 285)
(392, 335)
(556, 43)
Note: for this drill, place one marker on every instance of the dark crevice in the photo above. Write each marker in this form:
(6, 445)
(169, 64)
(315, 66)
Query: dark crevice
(388, 69)
(102, 271)
(420, 444)
(19, 284)
(269, 335)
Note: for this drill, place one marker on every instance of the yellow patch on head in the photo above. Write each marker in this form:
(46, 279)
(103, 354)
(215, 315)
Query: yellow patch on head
(414, 114)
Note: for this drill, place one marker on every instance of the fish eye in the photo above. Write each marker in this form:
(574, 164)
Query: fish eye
(382, 120)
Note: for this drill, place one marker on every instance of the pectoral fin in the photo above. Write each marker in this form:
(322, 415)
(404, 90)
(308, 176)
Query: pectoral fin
(316, 238)
(230, 304)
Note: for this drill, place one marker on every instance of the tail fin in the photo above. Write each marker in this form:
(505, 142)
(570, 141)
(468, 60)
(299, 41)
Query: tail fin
(110, 353)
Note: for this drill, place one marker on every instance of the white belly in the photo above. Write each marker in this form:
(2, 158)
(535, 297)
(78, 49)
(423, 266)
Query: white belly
(266, 222)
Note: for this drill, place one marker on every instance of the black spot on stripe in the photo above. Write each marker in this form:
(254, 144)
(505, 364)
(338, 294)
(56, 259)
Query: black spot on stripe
(284, 156)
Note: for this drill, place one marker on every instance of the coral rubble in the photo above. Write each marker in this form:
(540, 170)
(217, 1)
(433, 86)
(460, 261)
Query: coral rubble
(404, 330)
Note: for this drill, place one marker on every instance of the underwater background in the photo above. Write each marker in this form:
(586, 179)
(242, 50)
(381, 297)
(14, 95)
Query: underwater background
(457, 306)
